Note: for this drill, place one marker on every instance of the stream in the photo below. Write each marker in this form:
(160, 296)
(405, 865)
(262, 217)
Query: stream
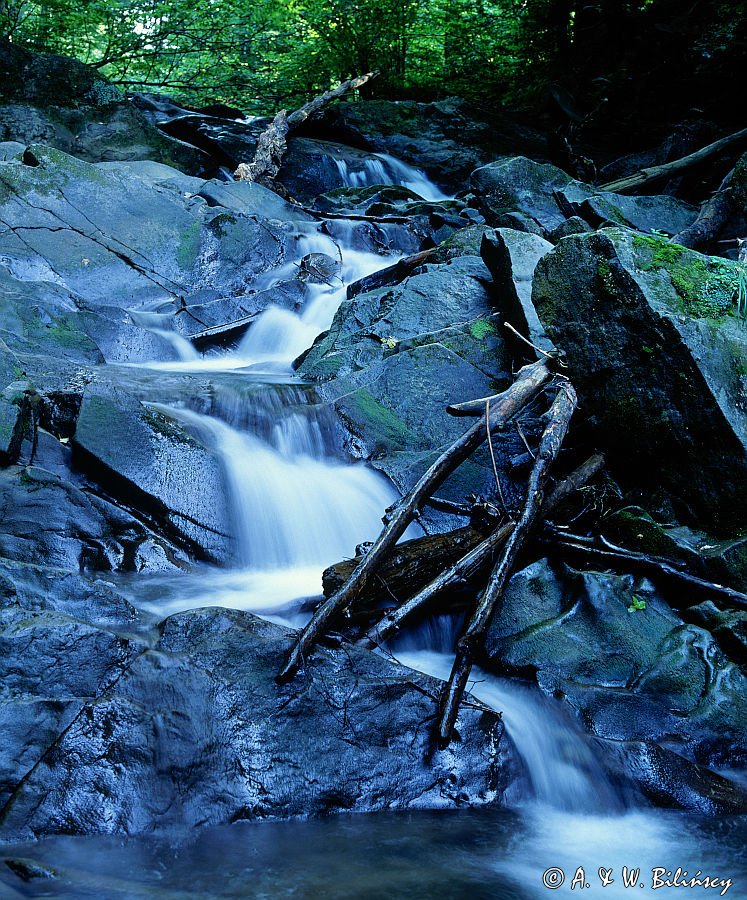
(310, 508)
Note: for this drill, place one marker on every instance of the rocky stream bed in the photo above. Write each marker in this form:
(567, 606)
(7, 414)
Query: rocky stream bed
(197, 417)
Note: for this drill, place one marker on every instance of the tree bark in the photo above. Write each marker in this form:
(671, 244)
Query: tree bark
(478, 557)
(559, 419)
(391, 274)
(529, 380)
(411, 565)
(712, 217)
(271, 146)
(646, 176)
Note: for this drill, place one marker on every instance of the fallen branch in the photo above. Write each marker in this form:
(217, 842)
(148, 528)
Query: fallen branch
(477, 558)
(411, 565)
(630, 560)
(271, 146)
(559, 418)
(713, 215)
(390, 275)
(529, 380)
(655, 173)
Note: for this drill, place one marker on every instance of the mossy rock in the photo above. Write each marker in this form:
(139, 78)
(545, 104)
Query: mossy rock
(658, 363)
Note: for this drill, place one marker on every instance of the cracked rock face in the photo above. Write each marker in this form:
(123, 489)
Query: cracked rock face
(185, 725)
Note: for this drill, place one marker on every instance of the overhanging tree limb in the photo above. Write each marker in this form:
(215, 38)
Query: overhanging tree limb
(644, 177)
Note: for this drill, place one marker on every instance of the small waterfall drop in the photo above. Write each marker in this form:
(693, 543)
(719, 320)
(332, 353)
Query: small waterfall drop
(381, 168)
(561, 767)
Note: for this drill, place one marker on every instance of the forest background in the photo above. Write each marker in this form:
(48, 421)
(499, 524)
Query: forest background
(612, 63)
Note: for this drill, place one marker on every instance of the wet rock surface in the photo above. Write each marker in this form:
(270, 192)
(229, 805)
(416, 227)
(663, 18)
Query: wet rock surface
(447, 138)
(187, 729)
(656, 351)
(630, 674)
(116, 721)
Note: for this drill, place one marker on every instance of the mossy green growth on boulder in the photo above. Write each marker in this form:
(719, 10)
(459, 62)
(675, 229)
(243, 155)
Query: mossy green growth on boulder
(658, 360)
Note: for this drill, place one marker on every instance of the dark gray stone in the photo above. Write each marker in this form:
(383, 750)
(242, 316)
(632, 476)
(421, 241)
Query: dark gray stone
(151, 463)
(656, 352)
(543, 197)
(512, 257)
(629, 674)
(448, 138)
(195, 731)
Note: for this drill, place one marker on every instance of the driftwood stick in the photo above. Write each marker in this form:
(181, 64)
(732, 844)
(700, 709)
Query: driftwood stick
(647, 175)
(579, 477)
(478, 557)
(461, 571)
(272, 145)
(471, 407)
(711, 219)
(393, 274)
(618, 557)
(559, 419)
(530, 379)
(268, 154)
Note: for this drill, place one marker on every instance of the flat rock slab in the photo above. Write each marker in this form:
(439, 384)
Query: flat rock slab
(195, 731)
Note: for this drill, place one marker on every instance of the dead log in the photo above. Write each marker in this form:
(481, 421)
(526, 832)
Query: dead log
(651, 174)
(478, 558)
(713, 215)
(411, 565)
(222, 334)
(390, 275)
(559, 418)
(529, 380)
(615, 557)
(271, 146)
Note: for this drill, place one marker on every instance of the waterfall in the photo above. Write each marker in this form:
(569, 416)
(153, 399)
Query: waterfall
(381, 168)
(562, 769)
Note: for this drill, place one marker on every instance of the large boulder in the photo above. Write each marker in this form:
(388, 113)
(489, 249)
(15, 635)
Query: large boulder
(119, 254)
(656, 349)
(149, 462)
(70, 106)
(395, 357)
(512, 256)
(50, 512)
(627, 665)
(195, 730)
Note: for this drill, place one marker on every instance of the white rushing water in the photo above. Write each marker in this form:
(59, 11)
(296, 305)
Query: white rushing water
(298, 506)
(381, 168)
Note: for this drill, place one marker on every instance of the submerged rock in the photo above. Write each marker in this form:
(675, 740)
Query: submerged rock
(656, 351)
(195, 731)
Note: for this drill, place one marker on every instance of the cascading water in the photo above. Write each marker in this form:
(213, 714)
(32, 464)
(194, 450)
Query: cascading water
(296, 506)
(562, 769)
(381, 168)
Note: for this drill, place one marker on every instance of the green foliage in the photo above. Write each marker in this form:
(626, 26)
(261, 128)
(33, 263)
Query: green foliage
(636, 604)
(263, 54)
